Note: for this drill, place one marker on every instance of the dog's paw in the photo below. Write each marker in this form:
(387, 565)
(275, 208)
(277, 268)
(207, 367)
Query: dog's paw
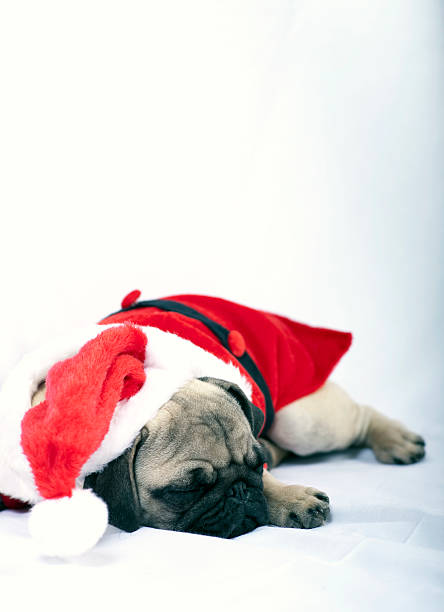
(298, 506)
(393, 443)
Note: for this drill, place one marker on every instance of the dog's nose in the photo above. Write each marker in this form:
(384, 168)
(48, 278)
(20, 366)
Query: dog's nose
(238, 490)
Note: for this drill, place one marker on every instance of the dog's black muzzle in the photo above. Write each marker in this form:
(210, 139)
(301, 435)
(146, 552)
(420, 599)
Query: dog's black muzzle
(233, 506)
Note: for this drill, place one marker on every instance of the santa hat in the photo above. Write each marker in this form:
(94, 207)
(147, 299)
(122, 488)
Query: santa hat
(103, 384)
(45, 452)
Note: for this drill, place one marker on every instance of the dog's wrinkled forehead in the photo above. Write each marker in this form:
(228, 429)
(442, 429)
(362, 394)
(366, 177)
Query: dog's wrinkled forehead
(202, 427)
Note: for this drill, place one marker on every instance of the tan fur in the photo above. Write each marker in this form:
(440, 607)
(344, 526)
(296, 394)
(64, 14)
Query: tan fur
(391, 441)
(39, 395)
(330, 419)
(277, 453)
(294, 505)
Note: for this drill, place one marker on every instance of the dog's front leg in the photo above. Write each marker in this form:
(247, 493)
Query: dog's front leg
(275, 453)
(294, 505)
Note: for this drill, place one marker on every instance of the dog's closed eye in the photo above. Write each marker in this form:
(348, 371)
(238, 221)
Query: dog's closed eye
(179, 497)
(202, 476)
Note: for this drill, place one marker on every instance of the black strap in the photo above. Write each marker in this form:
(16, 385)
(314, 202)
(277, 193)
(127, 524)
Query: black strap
(221, 333)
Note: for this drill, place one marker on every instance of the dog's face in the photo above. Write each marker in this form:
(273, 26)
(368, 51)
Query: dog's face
(195, 467)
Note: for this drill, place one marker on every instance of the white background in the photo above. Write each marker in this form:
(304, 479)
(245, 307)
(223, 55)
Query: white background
(288, 155)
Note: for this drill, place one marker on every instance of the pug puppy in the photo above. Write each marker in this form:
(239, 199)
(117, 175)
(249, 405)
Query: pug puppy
(198, 466)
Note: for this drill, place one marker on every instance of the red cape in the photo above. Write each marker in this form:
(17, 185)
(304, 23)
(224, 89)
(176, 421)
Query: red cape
(294, 359)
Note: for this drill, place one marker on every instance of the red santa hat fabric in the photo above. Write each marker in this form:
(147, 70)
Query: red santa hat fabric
(62, 432)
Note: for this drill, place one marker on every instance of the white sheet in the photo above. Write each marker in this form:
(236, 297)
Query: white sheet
(383, 548)
(286, 155)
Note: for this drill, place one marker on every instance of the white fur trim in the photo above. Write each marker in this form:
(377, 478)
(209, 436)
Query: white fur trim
(68, 526)
(16, 479)
(170, 362)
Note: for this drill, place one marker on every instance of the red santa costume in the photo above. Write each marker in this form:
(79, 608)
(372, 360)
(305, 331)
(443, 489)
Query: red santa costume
(105, 382)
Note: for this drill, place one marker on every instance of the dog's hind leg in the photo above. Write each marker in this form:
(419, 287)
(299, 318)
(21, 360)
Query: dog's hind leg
(329, 419)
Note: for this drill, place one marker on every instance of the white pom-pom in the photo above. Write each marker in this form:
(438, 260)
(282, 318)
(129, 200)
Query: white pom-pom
(68, 526)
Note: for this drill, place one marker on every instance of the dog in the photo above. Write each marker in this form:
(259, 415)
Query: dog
(200, 464)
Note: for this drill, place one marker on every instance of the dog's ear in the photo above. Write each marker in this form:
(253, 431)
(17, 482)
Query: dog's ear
(117, 486)
(254, 415)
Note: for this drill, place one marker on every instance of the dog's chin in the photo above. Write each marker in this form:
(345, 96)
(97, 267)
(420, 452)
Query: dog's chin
(232, 517)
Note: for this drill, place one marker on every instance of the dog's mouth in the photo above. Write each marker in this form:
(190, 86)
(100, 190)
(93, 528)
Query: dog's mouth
(232, 517)
(229, 510)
